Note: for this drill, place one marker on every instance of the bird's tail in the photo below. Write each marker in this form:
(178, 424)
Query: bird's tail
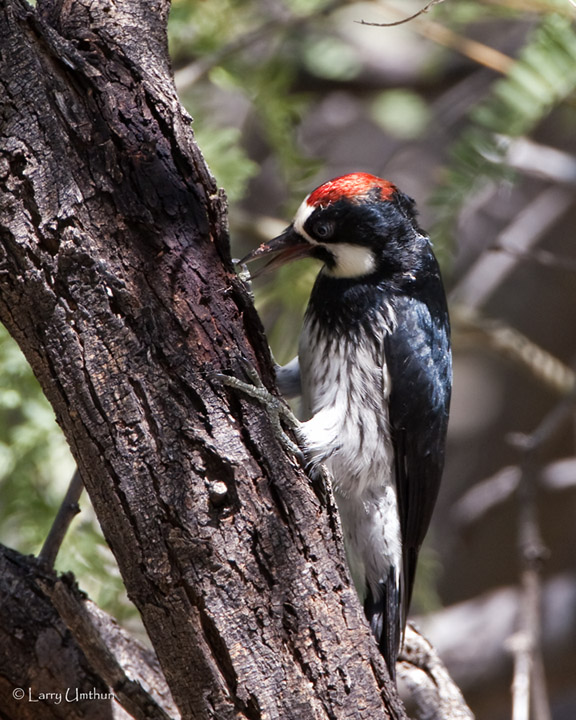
(383, 610)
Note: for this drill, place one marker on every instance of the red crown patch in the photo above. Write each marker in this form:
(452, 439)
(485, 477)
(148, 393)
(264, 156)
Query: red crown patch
(354, 187)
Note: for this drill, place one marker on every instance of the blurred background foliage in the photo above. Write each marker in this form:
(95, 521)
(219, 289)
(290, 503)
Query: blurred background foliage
(470, 108)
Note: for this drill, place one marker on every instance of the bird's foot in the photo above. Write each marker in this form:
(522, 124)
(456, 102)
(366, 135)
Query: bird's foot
(279, 412)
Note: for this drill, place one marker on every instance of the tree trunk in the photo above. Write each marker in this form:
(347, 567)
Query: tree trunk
(116, 281)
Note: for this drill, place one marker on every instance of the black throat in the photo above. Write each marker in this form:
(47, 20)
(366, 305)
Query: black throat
(347, 307)
(352, 306)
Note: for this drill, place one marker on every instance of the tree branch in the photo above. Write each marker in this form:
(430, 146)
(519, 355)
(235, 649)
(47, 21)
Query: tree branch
(66, 513)
(425, 685)
(478, 52)
(129, 693)
(483, 670)
(529, 683)
(44, 672)
(423, 10)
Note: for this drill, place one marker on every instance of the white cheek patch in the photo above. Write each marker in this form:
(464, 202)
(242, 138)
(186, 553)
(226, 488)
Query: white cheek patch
(351, 261)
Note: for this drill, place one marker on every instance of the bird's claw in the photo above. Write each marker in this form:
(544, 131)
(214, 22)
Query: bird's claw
(278, 410)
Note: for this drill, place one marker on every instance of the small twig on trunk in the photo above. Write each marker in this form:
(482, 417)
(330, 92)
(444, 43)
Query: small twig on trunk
(67, 512)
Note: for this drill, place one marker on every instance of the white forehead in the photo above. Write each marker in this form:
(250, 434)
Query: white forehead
(302, 214)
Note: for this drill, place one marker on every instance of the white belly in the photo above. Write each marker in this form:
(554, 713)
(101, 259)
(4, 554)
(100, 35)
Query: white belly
(345, 390)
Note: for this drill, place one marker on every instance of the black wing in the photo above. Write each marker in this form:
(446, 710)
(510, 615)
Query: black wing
(419, 362)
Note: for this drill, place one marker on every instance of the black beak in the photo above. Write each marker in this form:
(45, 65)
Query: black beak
(286, 247)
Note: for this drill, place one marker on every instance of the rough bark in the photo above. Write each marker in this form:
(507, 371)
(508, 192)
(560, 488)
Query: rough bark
(115, 280)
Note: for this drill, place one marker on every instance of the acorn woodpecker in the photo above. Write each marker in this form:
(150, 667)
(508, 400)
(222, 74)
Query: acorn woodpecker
(374, 374)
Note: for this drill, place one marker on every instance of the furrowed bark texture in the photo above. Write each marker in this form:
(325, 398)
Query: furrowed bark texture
(116, 281)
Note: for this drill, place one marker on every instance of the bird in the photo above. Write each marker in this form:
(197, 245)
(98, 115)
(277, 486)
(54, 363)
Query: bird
(374, 373)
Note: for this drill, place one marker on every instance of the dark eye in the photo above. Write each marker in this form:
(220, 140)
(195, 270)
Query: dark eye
(323, 230)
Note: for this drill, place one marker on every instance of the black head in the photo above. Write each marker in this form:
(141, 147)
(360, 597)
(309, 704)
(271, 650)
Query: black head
(358, 225)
